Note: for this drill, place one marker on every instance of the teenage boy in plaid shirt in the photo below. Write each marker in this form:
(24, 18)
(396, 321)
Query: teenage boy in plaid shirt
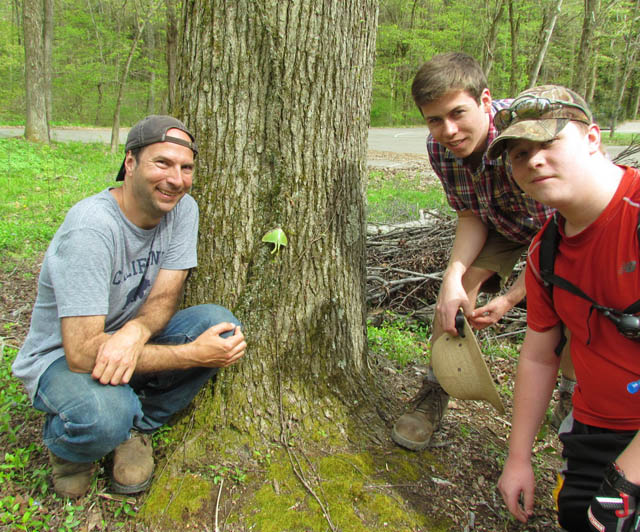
(496, 221)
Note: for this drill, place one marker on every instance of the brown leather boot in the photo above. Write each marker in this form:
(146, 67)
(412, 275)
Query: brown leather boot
(413, 430)
(71, 479)
(132, 464)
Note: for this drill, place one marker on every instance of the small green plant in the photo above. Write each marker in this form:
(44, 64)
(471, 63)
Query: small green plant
(399, 341)
(161, 436)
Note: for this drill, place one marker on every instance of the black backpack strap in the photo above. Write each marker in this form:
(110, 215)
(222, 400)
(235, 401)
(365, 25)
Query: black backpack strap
(548, 246)
(634, 308)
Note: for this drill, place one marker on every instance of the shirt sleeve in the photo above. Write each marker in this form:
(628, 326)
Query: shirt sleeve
(182, 252)
(80, 268)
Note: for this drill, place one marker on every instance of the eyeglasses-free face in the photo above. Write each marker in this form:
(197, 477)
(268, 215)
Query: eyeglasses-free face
(534, 108)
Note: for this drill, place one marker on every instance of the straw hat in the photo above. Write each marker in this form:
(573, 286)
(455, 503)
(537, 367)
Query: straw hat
(461, 370)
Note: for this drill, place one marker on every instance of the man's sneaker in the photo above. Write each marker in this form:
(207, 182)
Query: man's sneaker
(414, 429)
(132, 464)
(70, 479)
(562, 409)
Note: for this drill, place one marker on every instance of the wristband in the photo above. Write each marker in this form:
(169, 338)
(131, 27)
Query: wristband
(615, 477)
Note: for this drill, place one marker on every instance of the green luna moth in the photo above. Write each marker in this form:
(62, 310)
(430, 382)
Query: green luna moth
(277, 238)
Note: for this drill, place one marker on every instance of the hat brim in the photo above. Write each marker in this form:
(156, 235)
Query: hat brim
(535, 130)
(120, 176)
(460, 368)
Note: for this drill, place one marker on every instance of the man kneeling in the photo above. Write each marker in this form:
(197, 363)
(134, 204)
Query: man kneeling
(107, 357)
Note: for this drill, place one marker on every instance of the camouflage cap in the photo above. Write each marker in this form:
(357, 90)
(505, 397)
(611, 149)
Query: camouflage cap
(565, 105)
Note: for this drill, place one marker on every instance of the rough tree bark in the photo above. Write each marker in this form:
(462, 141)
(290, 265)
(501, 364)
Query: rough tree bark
(279, 99)
(36, 126)
(278, 96)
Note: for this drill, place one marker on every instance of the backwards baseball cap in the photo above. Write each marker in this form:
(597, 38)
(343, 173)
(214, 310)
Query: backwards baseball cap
(154, 129)
(538, 114)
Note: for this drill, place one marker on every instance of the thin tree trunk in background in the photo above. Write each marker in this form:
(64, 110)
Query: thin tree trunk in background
(115, 128)
(628, 63)
(172, 42)
(593, 80)
(150, 45)
(549, 23)
(587, 46)
(47, 38)
(514, 26)
(492, 34)
(36, 127)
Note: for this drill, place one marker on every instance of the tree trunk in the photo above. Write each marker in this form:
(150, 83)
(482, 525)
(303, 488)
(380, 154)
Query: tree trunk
(172, 41)
(115, 127)
(37, 127)
(514, 26)
(278, 96)
(549, 23)
(587, 46)
(593, 80)
(628, 62)
(47, 42)
(492, 34)
(150, 45)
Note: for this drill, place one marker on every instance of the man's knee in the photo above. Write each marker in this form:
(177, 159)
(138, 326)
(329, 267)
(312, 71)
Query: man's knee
(90, 424)
(217, 314)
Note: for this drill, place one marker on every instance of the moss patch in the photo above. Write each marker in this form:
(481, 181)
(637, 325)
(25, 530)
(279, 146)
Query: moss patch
(356, 497)
(171, 499)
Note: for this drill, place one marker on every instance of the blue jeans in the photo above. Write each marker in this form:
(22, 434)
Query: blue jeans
(86, 420)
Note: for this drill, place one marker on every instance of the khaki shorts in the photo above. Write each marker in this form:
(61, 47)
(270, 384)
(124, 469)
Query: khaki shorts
(498, 255)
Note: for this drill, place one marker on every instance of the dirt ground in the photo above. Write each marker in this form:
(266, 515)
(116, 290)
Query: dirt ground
(469, 449)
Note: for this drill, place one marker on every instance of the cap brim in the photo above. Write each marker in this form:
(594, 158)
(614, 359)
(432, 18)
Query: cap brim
(460, 368)
(120, 176)
(536, 130)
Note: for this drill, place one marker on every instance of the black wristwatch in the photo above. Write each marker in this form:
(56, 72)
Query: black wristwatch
(615, 477)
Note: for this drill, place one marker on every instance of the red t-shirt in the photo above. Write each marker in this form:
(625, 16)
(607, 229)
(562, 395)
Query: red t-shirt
(604, 262)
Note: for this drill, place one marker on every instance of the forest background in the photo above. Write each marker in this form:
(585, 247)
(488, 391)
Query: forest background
(113, 61)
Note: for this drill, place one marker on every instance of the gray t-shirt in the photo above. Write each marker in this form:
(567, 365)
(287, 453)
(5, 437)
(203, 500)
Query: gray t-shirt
(101, 264)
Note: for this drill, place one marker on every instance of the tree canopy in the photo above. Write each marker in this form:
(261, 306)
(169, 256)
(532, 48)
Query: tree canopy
(591, 47)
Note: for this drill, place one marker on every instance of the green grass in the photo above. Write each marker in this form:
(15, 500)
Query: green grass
(38, 185)
(400, 198)
(399, 340)
(619, 139)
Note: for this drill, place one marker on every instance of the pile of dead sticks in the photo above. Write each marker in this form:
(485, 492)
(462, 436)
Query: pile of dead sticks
(405, 264)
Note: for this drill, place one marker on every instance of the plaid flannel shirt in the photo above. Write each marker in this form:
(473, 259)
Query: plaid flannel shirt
(488, 191)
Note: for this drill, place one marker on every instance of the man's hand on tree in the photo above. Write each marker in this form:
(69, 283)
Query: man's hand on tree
(214, 351)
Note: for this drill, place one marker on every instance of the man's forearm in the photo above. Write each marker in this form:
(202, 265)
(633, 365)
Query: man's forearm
(517, 291)
(471, 234)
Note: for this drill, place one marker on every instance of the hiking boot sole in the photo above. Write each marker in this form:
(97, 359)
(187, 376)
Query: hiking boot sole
(408, 444)
(124, 489)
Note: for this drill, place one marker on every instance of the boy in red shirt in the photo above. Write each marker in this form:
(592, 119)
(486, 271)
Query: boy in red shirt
(556, 157)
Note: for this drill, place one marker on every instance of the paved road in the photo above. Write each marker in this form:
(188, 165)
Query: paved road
(398, 140)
